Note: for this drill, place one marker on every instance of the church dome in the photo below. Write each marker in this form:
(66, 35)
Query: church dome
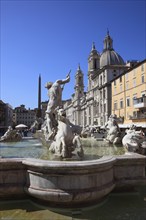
(109, 56)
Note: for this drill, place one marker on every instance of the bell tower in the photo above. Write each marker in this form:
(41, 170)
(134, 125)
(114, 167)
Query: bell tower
(93, 59)
(79, 83)
(93, 64)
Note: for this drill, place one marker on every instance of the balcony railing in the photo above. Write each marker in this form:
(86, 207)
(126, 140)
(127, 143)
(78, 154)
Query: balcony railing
(140, 102)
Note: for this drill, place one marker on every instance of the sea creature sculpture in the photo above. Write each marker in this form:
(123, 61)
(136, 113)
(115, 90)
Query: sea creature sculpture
(133, 139)
(11, 135)
(66, 140)
(114, 133)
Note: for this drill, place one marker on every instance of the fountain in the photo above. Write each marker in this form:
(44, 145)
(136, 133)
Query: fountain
(11, 135)
(57, 128)
(66, 182)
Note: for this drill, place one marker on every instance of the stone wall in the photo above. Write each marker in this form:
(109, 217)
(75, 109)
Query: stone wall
(130, 170)
(12, 178)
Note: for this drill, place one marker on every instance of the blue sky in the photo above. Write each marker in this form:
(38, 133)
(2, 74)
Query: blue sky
(52, 37)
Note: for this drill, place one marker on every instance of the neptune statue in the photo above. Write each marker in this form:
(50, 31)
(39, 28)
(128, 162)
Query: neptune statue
(57, 128)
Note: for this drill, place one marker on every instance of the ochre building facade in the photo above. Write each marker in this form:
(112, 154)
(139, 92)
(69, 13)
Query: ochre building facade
(129, 96)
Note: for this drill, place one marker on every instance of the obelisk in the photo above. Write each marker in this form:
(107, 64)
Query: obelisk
(39, 98)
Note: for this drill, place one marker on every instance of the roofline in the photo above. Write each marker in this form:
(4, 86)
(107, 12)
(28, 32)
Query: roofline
(107, 67)
(130, 69)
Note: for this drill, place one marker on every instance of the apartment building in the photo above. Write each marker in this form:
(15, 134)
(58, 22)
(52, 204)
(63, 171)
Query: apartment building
(129, 96)
(21, 115)
(6, 114)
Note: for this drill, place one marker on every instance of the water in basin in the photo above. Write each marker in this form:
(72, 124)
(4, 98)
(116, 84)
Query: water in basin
(33, 148)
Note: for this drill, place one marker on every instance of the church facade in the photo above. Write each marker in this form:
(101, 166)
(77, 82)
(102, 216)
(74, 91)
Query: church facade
(93, 107)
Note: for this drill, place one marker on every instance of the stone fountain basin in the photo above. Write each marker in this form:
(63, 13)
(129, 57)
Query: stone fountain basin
(70, 183)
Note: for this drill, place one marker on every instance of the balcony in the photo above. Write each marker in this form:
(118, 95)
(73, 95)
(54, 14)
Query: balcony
(138, 115)
(140, 102)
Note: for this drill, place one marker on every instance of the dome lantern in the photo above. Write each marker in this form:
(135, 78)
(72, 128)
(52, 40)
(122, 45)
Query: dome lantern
(108, 42)
(109, 56)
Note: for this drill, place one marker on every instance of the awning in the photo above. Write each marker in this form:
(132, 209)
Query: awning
(21, 126)
(142, 125)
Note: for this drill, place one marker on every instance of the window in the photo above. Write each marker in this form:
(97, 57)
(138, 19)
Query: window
(127, 86)
(104, 93)
(121, 103)
(89, 110)
(114, 74)
(142, 78)
(134, 73)
(100, 94)
(128, 101)
(134, 82)
(101, 108)
(126, 76)
(104, 77)
(143, 94)
(120, 78)
(115, 105)
(100, 80)
(142, 67)
(134, 98)
(94, 64)
(115, 83)
(115, 90)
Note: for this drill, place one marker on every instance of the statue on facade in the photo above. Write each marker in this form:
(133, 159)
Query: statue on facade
(11, 135)
(83, 99)
(66, 140)
(133, 139)
(114, 133)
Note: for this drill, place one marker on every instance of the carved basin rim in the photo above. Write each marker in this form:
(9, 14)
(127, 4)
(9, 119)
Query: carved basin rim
(61, 164)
